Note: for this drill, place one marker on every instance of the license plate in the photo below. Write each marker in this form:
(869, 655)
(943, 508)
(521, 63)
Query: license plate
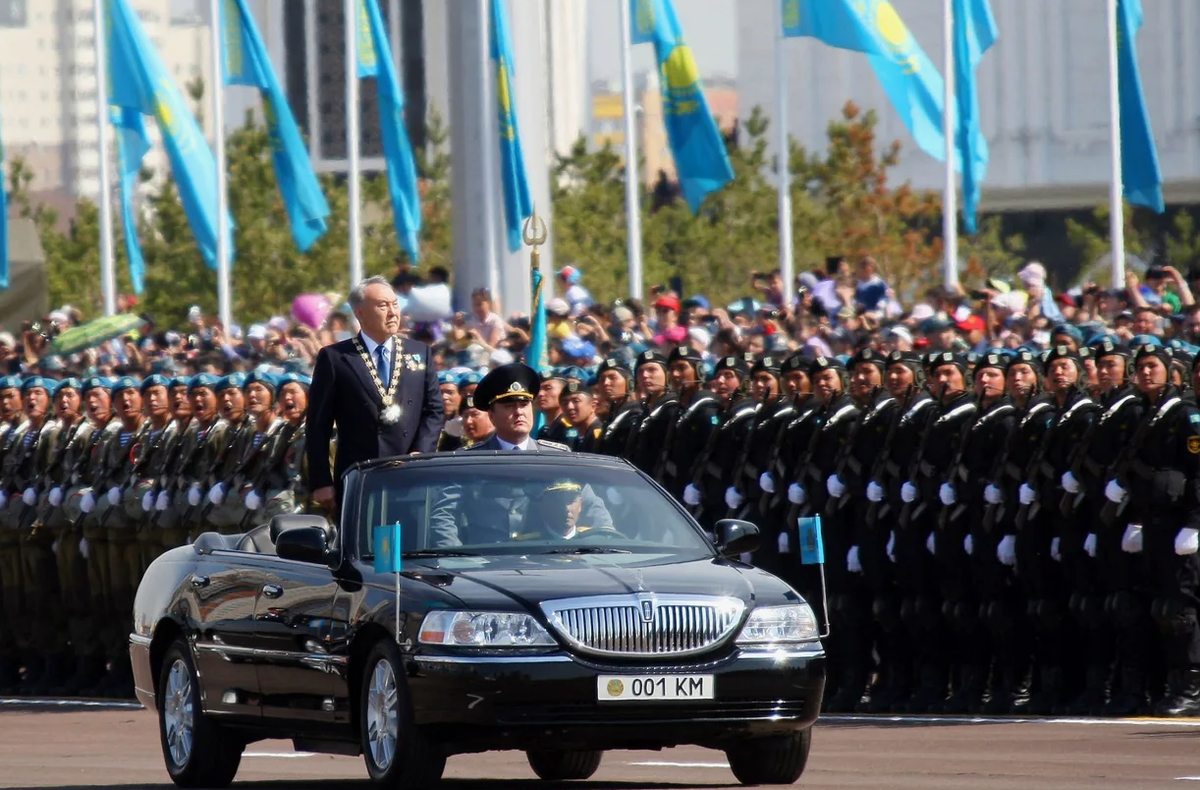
(646, 688)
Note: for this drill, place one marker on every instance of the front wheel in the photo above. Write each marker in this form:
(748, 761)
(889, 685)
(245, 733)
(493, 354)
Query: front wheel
(560, 766)
(197, 751)
(396, 753)
(775, 760)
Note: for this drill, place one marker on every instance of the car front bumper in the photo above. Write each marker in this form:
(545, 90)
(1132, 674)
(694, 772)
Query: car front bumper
(476, 703)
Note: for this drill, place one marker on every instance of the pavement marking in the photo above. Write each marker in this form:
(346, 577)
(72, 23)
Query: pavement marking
(1154, 722)
(1187, 779)
(71, 703)
(661, 764)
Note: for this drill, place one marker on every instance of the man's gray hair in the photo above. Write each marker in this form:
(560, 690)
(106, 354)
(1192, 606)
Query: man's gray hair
(358, 294)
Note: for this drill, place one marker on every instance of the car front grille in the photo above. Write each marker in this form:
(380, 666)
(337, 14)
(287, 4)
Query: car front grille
(645, 624)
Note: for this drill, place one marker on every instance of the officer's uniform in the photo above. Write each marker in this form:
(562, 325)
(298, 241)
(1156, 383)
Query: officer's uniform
(646, 444)
(579, 438)
(713, 476)
(192, 471)
(623, 418)
(229, 441)
(141, 497)
(281, 480)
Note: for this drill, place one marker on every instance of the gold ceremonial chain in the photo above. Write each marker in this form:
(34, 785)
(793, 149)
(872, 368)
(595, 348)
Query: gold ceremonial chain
(387, 395)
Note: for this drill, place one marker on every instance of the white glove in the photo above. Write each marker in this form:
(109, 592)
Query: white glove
(1026, 494)
(1114, 493)
(783, 543)
(733, 500)
(992, 495)
(193, 496)
(216, 494)
(83, 547)
(88, 503)
(162, 501)
(29, 496)
(147, 501)
(835, 486)
(1089, 544)
(114, 496)
(55, 497)
(891, 546)
(852, 563)
(1187, 541)
(1131, 541)
(931, 543)
(947, 494)
(253, 500)
(908, 491)
(691, 495)
(1056, 550)
(874, 492)
(1006, 552)
(969, 544)
(54, 548)
(796, 494)
(1069, 483)
(3, 500)
(766, 482)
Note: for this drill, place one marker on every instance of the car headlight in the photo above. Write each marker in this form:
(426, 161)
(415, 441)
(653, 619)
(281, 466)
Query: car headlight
(776, 624)
(483, 629)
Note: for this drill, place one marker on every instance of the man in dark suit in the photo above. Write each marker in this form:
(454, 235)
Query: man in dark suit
(379, 389)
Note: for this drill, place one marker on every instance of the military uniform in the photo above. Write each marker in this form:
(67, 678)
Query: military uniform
(623, 418)
(10, 559)
(698, 417)
(658, 415)
(711, 492)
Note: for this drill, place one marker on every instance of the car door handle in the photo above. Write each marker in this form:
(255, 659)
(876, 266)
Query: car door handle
(272, 590)
(199, 581)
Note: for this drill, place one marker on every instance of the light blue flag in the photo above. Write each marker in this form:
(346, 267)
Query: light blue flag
(517, 204)
(641, 21)
(397, 149)
(812, 544)
(387, 548)
(247, 63)
(132, 145)
(701, 161)
(3, 221)
(139, 81)
(912, 83)
(1139, 157)
(535, 354)
(974, 33)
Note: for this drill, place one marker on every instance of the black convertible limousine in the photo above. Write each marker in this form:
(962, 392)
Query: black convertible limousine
(559, 604)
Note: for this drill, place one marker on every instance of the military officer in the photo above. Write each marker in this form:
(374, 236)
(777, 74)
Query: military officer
(451, 438)
(625, 411)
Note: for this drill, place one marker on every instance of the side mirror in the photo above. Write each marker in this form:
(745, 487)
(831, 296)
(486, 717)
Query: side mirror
(303, 544)
(282, 523)
(734, 537)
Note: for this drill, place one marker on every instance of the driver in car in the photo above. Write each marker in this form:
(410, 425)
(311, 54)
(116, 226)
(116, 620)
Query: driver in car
(554, 513)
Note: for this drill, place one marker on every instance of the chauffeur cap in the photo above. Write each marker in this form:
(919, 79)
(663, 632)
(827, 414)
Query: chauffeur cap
(507, 382)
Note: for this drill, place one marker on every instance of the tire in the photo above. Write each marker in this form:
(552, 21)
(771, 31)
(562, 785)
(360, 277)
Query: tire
(394, 750)
(197, 751)
(776, 760)
(560, 766)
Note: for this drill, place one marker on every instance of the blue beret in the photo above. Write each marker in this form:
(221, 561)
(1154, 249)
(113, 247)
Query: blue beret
(295, 378)
(234, 381)
(203, 380)
(1142, 340)
(1070, 330)
(69, 383)
(259, 377)
(36, 382)
(125, 383)
(179, 381)
(96, 383)
(446, 377)
(467, 379)
(10, 382)
(156, 380)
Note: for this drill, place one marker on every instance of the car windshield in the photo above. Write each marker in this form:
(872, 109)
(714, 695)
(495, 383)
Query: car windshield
(499, 508)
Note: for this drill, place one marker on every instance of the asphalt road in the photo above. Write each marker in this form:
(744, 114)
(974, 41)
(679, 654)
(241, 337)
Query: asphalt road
(70, 746)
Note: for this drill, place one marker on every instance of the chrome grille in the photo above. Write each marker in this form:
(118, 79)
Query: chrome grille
(645, 624)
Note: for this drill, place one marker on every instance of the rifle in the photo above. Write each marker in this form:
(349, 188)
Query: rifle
(52, 470)
(846, 459)
(914, 473)
(883, 464)
(1128, 457)
(1040, 470)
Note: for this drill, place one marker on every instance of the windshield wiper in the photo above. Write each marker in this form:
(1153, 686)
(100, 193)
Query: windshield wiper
(430, 553)
(589, 550)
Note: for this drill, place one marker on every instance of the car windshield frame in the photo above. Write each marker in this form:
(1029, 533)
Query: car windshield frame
(441, 474)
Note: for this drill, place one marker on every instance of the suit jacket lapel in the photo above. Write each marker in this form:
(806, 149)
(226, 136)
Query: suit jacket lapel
(364, 376)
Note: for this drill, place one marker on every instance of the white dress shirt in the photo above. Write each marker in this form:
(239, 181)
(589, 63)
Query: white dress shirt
(525, 445)
(371, 345)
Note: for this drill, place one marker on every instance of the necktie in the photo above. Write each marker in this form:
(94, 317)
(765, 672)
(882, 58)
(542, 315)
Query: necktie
(382, 364)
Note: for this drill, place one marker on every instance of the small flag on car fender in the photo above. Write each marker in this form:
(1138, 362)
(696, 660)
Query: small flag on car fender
(387, 548)
(812, 550)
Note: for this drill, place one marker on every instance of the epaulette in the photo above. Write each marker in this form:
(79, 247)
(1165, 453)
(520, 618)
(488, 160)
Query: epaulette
(553, 445)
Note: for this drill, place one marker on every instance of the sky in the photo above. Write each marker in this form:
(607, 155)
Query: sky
(709, 26)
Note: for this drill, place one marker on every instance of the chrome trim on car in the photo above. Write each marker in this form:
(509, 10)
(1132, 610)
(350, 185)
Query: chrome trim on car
(138, 639)
(309, 659)
(645, 625)
(784, 653)
(555, 658)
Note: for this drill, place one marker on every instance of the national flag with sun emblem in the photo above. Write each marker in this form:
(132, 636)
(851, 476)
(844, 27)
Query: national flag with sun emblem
(132, 145)
(974, 34)
(912, 83)
(1139, 157)
(517, 203)
(386, 547)
(397, 149)
(138, 81)
(247, 63)
(701, 161)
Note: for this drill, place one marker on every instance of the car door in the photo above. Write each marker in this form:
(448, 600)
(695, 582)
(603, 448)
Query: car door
(223, 594)
(292, 639)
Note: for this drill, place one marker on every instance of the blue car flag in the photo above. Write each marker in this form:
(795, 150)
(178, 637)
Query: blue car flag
(701, 161)
(375, 60)
(247, 63)
(387, 549)
(812, 548)
(1139, 157)
(517, 203)
(139, 82)
(974, 34)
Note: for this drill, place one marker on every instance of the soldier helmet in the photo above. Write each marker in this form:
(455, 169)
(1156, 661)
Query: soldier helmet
(991, 358)
(910, 360)
(869, 356)
(614, 363)
(767, 364)
(735, 363)
(650, 357)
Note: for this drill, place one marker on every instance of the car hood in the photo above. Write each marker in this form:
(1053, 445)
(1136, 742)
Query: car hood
(496, 583)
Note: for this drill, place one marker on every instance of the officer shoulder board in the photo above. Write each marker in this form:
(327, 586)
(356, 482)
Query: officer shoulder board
(553, 445)
(957, 410)
(1116, 407)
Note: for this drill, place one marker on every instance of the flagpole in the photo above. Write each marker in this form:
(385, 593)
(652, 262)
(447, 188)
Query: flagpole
(108, 276)
(632, 170)
(224, 304)
(785, 171)
(1116, 187)
(949, 192)
(352, 137)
